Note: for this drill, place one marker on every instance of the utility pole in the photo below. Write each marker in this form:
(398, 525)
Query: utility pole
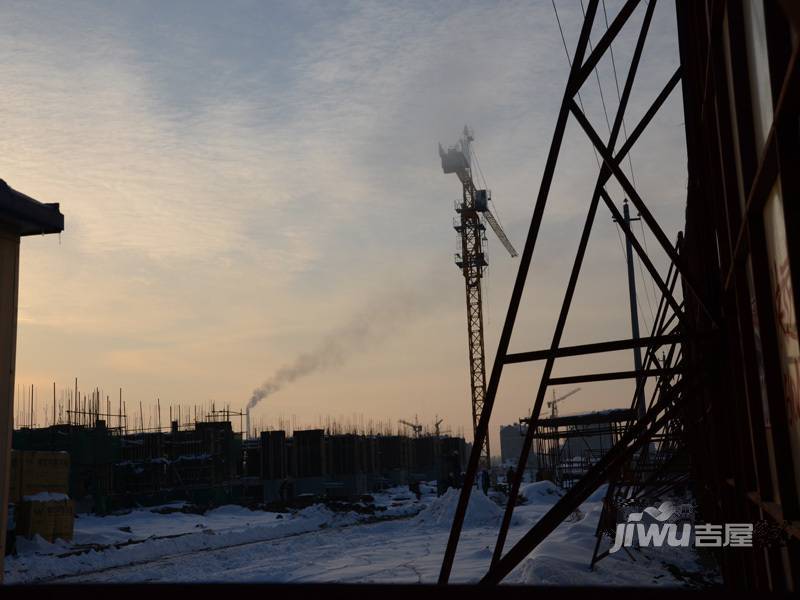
(637, 352)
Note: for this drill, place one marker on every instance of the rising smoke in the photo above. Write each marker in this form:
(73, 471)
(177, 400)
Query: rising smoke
(374, 323)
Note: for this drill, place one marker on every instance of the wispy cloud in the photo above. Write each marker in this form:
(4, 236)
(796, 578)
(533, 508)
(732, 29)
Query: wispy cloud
(245, 170)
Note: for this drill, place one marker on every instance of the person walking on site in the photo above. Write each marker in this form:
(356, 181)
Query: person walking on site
(485, 481)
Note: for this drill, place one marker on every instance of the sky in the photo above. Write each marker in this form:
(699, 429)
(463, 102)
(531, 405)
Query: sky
(249, 182)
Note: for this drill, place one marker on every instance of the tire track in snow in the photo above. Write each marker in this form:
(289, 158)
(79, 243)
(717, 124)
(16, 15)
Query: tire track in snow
(172, 558)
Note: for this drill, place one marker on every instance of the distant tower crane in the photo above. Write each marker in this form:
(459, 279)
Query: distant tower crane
(473, 210)
(437, 427)
(553, 404)
(415, 427)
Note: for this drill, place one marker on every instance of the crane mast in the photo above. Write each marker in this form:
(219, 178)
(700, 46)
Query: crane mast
(472, 260)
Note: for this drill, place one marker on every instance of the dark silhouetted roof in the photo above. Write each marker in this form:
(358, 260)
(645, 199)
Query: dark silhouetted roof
(26, 216)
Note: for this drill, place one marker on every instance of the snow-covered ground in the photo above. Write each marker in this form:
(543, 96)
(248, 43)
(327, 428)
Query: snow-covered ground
(402, 543)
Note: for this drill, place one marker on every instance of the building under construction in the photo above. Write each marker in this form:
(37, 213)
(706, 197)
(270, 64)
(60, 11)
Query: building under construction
(208, 463)
(567, 446)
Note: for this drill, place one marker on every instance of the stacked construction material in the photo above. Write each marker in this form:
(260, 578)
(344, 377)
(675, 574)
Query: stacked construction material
(39, 486)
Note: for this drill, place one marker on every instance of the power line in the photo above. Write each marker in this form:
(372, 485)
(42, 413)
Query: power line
(630, 166)
(569, 61)
(619, 96)
(597, 75)
(644, 240)
(646, 291)
(608, 125)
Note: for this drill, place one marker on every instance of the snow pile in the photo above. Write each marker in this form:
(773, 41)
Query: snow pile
(399, 502)
(37, 545)
(235, 544)
(599, 494)
(541, 492)
(481, 511)
(564, 557)
(46, 497)
(222, 527)
(141, 536)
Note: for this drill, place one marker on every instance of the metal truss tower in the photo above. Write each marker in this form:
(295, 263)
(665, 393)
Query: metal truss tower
(668, 396)
(472, 260)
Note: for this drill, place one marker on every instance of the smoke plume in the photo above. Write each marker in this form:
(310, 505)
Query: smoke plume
(373, 324)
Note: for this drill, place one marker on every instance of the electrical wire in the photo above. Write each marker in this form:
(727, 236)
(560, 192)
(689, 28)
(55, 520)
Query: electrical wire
(597, 75)
(608, 125)
(630, 160)
(647, 251)
(569, 61)
(644, 279)
(633, 174)
(619, 96)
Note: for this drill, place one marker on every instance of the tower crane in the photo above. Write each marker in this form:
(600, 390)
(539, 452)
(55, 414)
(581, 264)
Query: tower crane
(553, 404)
(436, 427)
(473, 211)
(415, 427)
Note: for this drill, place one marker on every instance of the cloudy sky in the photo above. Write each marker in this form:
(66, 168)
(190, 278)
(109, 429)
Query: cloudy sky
(246, 182)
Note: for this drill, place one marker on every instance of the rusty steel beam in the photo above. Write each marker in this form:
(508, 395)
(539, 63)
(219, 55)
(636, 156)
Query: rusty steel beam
(641, 126)
(768, 166)
(623, 224)
(605, 42)
(636, 199)
(516, 296)
(630, 442)
(594, 348)
(611, 376)
(544, 382)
